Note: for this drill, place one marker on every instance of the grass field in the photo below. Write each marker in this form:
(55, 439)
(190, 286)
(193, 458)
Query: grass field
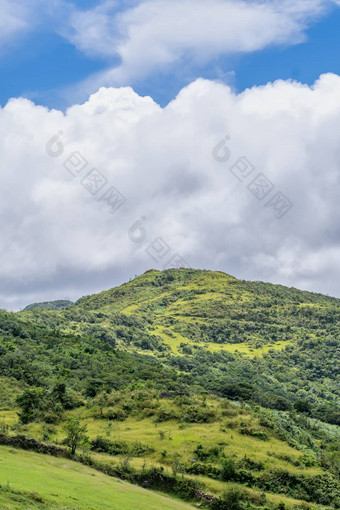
(69, 485)
(176, 340)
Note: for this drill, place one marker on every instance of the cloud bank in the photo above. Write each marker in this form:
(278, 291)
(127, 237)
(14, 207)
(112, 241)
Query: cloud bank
(59, 238)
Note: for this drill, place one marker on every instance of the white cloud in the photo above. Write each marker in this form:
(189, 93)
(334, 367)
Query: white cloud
(154, 35)
(12, 20)
(58, 241)
(20, 17)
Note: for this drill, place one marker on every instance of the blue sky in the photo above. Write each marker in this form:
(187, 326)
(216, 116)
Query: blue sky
(304, 62)
(48, 66)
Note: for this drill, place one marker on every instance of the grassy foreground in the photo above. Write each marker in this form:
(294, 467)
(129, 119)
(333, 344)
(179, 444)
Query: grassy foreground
(62, 484)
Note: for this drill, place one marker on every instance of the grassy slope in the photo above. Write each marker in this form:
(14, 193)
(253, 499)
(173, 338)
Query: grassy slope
(172, 438)
(184, 441)
(18, 500)
(69, 485)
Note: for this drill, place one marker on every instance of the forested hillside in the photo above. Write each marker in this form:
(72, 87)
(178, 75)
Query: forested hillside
(266, 343)
(233, 384)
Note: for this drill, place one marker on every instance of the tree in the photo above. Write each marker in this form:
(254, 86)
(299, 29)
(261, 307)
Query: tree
(302, 406)
(176, 464)
(228, 471)
(30, 401)
(76, 433)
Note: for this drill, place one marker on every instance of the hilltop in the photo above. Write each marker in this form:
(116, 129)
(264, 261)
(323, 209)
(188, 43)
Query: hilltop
(48, 305)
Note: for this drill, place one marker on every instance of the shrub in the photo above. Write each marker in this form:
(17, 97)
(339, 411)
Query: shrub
(104, 445)
(259, 434)
(228, 470)
(114, 413)
(231, 500)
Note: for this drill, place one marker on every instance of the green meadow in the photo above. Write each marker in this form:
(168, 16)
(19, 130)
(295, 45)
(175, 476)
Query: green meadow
(64, 484)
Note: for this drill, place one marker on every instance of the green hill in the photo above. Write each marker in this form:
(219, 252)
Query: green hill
(49, 305)
(229, 384)
(280, 345)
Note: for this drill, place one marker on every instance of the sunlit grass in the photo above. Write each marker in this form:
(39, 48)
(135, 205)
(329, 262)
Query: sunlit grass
(69, 483)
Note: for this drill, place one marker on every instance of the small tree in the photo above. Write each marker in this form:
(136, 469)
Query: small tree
(228, 470)
(30, 401)
(176, 464)
(76, 433)
(125, 462)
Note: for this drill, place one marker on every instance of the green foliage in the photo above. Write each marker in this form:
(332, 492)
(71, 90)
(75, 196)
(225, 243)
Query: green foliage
(238, 499)
(76, 434)
(47, 405)
(322, 489)
(104, 445)
(228, 471)
(154, 349)
(204, 308)
(259, 434)
(30, 402)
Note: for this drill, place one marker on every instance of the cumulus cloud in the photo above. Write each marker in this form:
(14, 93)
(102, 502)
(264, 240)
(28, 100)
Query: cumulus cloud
(59, 240)
(154, 35)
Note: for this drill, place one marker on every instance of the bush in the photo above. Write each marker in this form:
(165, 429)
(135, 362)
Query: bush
(259, 434)
(204, 454)
(103, 445)
(164, 414)
(228, 470)
(231, 500)
(114, 413)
